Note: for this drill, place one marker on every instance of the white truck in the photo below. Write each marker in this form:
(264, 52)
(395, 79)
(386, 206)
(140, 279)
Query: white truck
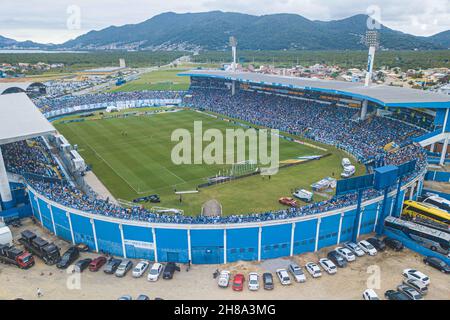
(303, 195)
(346, 162)
(5, 235)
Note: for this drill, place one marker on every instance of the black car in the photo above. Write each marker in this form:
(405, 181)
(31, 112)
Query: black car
(337, 259)
(394, 244)
(82, 264)
(268, 281)
(112, 265)
(395, 295)
(377, 243)
(169, 270)
(68, 258)
(437, 264)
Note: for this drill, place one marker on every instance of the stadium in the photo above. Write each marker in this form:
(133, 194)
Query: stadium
(389, 134)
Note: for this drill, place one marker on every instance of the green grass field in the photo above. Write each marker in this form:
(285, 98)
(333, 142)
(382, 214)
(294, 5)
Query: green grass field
(164, 79)
(140, 164)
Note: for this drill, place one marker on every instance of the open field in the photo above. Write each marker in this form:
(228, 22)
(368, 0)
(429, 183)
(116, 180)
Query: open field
(198, 283)
(139, 163)
(164, 79)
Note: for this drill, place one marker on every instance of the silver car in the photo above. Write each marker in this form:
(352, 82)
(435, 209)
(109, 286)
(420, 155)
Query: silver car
(123, 268)
(356, 249)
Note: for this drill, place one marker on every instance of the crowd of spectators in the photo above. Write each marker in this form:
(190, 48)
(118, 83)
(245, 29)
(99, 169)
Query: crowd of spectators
(327, 123)
(68, 101)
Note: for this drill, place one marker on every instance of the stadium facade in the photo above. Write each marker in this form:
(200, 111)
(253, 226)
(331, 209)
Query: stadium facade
(223, 243)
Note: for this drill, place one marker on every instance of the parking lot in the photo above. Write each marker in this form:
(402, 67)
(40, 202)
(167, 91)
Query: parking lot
(198, 282)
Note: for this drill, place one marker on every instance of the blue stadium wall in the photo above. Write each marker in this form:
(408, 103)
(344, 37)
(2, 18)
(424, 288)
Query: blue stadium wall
(216, 244)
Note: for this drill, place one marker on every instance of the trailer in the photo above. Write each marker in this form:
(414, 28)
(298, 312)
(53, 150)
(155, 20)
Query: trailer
(39, 247)
(15, 256)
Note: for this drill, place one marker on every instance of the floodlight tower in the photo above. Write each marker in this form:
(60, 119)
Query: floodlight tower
(372, 41)
(233, 44)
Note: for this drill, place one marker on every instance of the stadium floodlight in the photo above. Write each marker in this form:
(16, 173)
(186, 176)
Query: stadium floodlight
(372, 41)
(233, 44)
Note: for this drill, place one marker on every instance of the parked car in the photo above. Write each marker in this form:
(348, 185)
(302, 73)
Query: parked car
(437, 264)
(268, 281)
(97, 263)
(68, 258)
(287, 201)
(370, 294)
(125, 298)
(394, 244)
(313, 269)
(82, 264)
(142, 297)
(297, 272)
(377, 243)
(123, 268)
(238, 282)
(411, 293)
(416, 275)
(346, 254)
(337, 259)
(367, 248)
(284, 277)
(112, 265)
(328, 265)
(155, 272)
(224, 279)
(395, 295)
(169, 270)
(139, 269)
(253, 281)
(416, 285)
(356, 249)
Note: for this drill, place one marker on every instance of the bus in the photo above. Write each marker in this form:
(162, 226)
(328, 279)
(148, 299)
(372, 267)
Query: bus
(438, 202)
(426, 213)
(430, 238)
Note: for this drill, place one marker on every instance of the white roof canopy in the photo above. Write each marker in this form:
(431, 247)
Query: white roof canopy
(20, 119)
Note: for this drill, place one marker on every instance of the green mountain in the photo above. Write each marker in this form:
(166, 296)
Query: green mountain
(211, 31)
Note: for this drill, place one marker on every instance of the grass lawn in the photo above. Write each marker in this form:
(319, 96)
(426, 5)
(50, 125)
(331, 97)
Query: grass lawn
(140, 164)
(165, 79)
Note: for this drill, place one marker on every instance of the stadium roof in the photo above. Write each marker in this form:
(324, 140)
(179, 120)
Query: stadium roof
(381, 94)
(20, 119)
(23, 86)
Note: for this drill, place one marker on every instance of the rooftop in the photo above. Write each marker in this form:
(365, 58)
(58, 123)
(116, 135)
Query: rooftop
(381, 94)
(20, 119)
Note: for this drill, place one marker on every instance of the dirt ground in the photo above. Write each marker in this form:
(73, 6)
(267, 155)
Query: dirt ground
(198, 283)
(438, 186)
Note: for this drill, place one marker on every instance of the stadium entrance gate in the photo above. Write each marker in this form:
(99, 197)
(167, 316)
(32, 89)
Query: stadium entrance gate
(207, 255)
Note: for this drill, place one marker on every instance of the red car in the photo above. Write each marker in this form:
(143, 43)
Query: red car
(288, 201)
(238, 282)
(97, 263)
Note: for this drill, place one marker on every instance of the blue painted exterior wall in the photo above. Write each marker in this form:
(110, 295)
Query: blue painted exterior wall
(46, 216)
(108, 237)
(242, 244)
(62, 225)
(368, 219)
(207, 246)
(82, 230)
(276, 241)
(138, 242)
(305, 236)
(172, 245)
(328, 232)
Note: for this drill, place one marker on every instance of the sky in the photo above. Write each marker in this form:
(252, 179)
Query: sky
(56, 21)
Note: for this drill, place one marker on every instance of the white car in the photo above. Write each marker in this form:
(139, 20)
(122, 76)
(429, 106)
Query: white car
(224, 279)
(367, 248)
(155, 272)
(416, 275)
(253, 281)
(313, 269)
(346, 254)
(297, 272)
(370, 294)
(356, 249)
(284, 277)
(328, 265)
(140, 268)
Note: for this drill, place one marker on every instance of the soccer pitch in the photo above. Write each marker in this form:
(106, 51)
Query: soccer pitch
(132, 157)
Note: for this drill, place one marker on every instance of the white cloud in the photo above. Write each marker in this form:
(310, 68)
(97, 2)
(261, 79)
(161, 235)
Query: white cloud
(46, 20)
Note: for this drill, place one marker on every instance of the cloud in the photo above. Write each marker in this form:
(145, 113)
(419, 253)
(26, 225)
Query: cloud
(46, 20)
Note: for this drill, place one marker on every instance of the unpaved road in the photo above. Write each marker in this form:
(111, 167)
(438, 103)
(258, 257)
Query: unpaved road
(198, 283)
